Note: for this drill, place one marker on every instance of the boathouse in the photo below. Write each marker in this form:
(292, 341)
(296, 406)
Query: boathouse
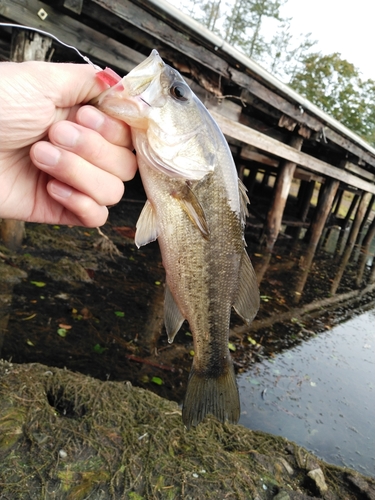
(275, 134)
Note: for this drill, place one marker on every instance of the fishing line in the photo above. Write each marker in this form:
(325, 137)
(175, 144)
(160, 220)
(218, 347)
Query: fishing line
(42, 32)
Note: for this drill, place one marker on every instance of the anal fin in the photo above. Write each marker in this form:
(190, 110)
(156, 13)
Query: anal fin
(247, 301)
(173, 318)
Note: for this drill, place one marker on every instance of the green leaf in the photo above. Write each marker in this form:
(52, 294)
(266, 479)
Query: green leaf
(119, 314)
(158, 283)
(231, 346)
(62, 332)
(157, 380)
(251, 340)
(265, 298)
(39, 284)
(28, 342)
(99, 349)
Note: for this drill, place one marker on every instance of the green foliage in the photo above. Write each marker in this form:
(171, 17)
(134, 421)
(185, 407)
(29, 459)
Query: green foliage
(335, 85)
(332, 83)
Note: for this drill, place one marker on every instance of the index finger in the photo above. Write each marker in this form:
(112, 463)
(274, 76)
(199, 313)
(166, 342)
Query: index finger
(115, 131)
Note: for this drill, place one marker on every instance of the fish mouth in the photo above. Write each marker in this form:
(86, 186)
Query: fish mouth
(132, 97)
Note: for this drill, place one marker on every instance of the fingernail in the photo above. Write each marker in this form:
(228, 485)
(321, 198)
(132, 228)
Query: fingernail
(91, 118)
(47, 154)
(61, 190)
(66, 135)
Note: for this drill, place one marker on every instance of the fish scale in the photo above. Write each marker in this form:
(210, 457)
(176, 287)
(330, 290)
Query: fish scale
(196, 208)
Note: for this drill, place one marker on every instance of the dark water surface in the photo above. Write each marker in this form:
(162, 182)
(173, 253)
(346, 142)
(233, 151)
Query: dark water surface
(320, 394)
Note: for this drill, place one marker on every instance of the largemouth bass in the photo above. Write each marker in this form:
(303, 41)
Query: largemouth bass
(196, 208)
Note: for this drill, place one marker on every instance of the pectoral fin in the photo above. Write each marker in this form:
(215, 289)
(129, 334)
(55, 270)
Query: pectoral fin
(146, 226)
(191, 206)
(173, 318)
(246, 304)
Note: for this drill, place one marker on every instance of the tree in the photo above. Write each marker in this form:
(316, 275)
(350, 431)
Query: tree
(210, 12)
(246, 25)
(243, 24)
(286, 53)
(336, 86)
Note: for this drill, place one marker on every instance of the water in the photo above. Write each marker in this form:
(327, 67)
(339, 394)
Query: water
(320, 394)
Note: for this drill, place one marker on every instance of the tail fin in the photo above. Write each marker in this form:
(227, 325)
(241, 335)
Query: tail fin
(217, 396)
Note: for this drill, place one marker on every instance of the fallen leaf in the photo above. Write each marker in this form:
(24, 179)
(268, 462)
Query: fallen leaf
(65, 327)
(231, 346)
(39, 284)
(157, 380)
(29, 317)
(126, 231)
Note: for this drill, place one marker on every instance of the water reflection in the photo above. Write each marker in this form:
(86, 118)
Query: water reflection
(320, 394)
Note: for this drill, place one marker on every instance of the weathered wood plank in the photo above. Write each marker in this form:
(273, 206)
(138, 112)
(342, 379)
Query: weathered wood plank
(70, 31)
(269, 145)
(280, 196)
(168, 35)
(251, 154)
(182, 44)
(321, 212)
(294, 111)
(359, 171)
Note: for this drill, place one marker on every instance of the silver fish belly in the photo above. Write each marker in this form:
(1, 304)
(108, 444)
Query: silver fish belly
(196, 209)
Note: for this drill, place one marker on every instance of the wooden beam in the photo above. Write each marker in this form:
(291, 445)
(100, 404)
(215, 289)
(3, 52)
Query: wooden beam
(161, 31)
(306, 175)
(248, 153)
(350, 243)
(182, 44)
(293, 110)
(281, 192)
(269, 145)
(321, 212)
(351, 167)
(72, 32)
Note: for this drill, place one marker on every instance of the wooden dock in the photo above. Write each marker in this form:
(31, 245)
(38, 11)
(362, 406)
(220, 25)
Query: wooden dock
(274, 133)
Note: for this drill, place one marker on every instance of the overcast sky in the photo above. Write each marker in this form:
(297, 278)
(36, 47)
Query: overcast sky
(339, 26)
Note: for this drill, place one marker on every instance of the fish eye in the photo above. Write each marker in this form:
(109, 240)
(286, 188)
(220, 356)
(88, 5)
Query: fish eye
(180, 92)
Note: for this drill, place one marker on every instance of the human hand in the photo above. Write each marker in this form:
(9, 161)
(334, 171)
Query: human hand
(60, 162)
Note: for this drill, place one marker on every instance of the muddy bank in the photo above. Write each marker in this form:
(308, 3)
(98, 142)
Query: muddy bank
(74, 299)
(64, 435)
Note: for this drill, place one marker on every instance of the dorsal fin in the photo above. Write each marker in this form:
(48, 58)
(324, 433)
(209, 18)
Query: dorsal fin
(244, 200)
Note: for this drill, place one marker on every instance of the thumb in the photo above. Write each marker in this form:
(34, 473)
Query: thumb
(68, 84)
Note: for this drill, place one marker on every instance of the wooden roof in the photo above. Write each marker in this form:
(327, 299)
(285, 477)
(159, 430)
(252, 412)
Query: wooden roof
(258, 114)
